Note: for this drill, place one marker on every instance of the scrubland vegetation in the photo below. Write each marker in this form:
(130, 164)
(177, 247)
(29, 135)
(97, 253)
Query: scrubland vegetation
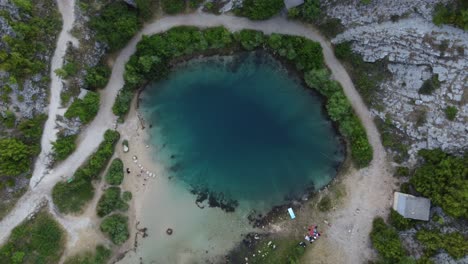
(38, 240)
(454, 13)
(444, 179)
(70, 197)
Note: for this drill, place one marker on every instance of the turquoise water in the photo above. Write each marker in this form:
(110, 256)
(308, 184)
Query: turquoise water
(243, 127)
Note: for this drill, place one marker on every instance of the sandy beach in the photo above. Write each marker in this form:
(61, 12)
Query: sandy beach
(160, 203)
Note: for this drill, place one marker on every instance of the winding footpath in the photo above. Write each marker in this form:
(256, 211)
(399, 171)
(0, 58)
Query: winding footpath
(92, 135)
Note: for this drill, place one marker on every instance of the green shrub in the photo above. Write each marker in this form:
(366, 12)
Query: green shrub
(67, 70)
(310, 11)
(70, 197)
(100, 256)
(31, 129)
(14, 157)
(116, 227)
(455, 13)
(442, 178)
(399, 222)
(39, 240)
(454, 243)
(451, 112)
(64, 146)
(97, 77)
(430, 85)
(249, 39)
(261, 9)
(127, 196)
(325, 204)
(343, 51)
(110, 201)
(8, 119)
(116, 24)
(340, 111)
(85, 109)
(173, 6)
(386, 241)
(115, 174)
(402, 171)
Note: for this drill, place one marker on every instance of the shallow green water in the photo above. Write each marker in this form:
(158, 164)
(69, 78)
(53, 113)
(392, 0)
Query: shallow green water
(243, 127)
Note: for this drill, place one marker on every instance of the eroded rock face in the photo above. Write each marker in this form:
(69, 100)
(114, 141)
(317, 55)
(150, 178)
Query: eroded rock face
(416, 50)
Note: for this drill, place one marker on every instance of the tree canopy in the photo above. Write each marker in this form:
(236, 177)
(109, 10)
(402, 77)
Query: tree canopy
(14, 157)
(116, 24)
(444, 179)
(261, 9)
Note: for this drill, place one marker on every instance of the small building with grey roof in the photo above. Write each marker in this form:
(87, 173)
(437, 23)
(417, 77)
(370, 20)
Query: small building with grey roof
(410, 206)
(292, 3)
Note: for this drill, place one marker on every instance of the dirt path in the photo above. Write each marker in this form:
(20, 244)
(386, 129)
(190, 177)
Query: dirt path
(367, 189)
(49, 135)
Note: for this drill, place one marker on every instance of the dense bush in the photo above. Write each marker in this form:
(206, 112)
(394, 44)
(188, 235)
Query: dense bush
(14, 157)
(249, 39)
(31, 132)
(386, 241)
(97, 77)
(451, 112)
(85, 109)
(116, 226)
(127, 196)
(39, 240)
(70, 197)
(341, 112)
(100, 256)
(310, 11)
(110, 201)
(64, 146)
(454, 243)
(116, 24)
(444, 179)
(430, 85)
(399, 222)
(173, 6)
(115, 174)
(455, 14)
(260, 9)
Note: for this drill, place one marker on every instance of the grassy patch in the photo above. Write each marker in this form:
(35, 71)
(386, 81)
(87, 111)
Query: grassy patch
(451, 112)
(35, 241)
(430, 85)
